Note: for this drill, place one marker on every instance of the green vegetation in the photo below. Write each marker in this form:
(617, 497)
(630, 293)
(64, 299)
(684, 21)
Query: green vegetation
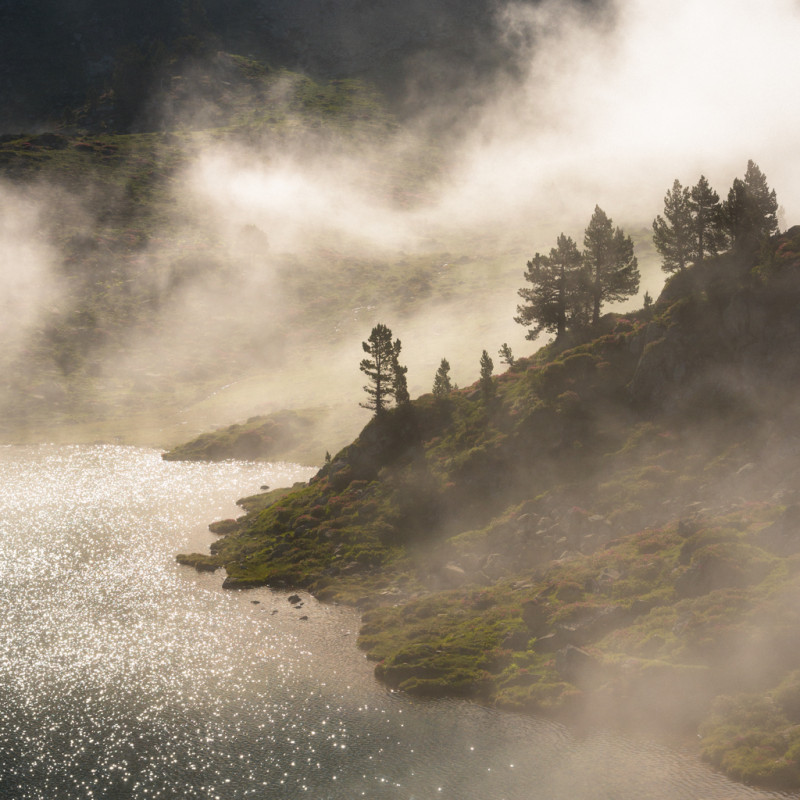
(387, 377)
(442, 386)
(280, 436)
(614, 535)
(696, 225)
(608, 528)
(569, 287)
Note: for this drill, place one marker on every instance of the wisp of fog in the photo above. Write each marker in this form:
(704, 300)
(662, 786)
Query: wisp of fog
(607, 105)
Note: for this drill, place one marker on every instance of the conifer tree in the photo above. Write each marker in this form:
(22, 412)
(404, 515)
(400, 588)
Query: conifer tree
(506, 356)
(556, 296)
(381, 368)
(401, 395)
(673, 234)
(751, 211)
(441, 381)
(706, 210)
(613, 272)
(764, 200)
(486, 383)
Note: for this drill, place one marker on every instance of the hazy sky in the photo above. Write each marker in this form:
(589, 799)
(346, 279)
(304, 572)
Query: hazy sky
(613, 113)
(607, 109)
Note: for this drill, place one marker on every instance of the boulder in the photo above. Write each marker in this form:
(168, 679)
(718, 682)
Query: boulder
(452, 575)
(518, 640)
(577, 666)
(549, 642)
(535, 615)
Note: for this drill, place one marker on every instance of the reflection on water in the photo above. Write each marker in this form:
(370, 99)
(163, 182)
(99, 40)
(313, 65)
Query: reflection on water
(124, 675)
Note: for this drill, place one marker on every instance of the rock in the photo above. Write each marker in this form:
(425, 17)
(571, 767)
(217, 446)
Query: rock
(577, 666)
(535, 615)
(303, 617)
(223, 527)
(597, 624)
(517, 640)
(452, 575)
(496, 566)
(294, 598)
(707, 572)
(256, 602)
(549, 642)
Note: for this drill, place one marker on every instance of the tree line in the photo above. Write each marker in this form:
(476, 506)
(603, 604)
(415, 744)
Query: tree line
(568, 287)
(696, 225)
(387, 383)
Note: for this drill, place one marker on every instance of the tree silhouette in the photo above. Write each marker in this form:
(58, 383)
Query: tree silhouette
(709, 237)
(751, 211)
(486, 382)
(506, 356)
(613, 271)
(673, 234)
(382, 369)
(401, 395)
(441, 381)
(556, 296)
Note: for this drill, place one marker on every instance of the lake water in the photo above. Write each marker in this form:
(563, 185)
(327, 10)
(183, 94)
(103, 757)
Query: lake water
(124, 675)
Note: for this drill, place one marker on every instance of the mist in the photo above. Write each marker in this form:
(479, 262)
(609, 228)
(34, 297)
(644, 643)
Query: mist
(597, 105)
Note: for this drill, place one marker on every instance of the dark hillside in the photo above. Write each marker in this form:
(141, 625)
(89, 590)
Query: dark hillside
(613, 535)
(54, 55)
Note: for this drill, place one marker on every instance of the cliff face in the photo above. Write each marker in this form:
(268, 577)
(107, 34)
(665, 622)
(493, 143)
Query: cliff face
(612, 534)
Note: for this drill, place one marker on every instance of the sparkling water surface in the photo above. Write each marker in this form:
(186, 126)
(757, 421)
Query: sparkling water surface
(124, 675)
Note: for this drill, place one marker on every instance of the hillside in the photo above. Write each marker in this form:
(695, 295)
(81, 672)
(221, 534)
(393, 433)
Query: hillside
(56, 56)
(611, 535)
(280, 436)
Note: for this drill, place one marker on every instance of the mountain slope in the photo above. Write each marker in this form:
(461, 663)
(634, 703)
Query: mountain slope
(56, 54)
(612, 535)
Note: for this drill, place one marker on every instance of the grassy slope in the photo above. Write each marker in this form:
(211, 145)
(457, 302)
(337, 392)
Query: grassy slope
(275, 437)
(613, 535)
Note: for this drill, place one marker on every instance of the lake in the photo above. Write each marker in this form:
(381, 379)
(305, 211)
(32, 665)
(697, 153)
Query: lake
(124, 675)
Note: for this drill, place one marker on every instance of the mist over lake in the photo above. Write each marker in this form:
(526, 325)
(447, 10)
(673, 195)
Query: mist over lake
(124, 675)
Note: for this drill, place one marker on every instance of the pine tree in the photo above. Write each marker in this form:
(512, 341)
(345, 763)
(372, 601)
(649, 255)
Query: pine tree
(751, 211)
(401, 395)
(673, 234)
(706, 210)
(555, 299)
(613, 271)
(506, 356)
(380, 368)
(486, 382)
(441, 381)
(764, 200)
